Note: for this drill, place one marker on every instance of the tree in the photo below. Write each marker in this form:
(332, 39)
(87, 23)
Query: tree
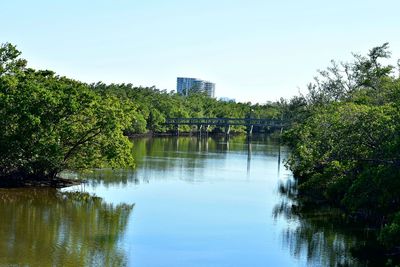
(345, 144)
(50, 123)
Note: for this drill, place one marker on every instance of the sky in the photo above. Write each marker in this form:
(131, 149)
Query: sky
(253, 50)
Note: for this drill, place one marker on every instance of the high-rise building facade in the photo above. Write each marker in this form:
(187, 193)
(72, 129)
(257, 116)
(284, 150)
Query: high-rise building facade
(209, 88)
(185, 86)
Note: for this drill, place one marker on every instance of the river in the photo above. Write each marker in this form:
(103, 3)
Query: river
(189, 202)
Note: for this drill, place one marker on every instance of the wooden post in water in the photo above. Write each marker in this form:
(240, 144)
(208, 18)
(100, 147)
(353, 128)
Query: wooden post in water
(248, 156)
(279, 153)
(249, 130)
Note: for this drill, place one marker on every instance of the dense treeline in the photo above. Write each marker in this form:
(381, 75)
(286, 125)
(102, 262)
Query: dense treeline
(154, 106)
(50, 123)
(345, 142)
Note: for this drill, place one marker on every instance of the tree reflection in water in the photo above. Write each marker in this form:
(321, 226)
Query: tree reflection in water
(160, 155)
(322, 235)
(46, 227)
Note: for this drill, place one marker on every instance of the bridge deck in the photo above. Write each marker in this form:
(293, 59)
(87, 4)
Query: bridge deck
(225, 122)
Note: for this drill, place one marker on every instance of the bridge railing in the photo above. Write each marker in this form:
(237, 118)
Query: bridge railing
(225, 121)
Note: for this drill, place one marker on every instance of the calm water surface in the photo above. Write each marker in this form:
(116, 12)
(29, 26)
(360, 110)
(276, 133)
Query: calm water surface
(189, 202)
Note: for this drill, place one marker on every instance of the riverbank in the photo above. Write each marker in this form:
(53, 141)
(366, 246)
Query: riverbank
(57, 182)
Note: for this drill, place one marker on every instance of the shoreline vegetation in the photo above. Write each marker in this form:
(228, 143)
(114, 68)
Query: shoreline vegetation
(345, 147)
(50, 123)
(344, 135)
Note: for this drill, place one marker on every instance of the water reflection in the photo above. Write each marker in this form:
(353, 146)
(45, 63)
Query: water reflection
(248, 157)
(279, 157)
(198, 202)
(46, 227)
(321, 235)
(187, 154)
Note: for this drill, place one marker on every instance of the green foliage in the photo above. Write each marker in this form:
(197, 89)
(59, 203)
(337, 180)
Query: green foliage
(345, 140)
(390, 233)
(153, 106)
(50, 123)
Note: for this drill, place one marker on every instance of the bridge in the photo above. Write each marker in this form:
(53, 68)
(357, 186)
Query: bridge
(226, 123)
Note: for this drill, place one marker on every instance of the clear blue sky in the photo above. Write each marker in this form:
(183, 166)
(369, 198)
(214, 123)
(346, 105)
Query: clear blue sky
(253, 50)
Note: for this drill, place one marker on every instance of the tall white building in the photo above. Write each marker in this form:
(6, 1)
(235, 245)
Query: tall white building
(185, 86)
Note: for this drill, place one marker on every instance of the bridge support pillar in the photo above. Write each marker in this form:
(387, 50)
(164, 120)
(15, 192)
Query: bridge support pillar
(207, 129)
(176, 127)
(199, 129)
(227, 129)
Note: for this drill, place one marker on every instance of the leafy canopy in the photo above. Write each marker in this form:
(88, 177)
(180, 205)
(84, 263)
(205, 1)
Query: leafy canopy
(50, 123)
